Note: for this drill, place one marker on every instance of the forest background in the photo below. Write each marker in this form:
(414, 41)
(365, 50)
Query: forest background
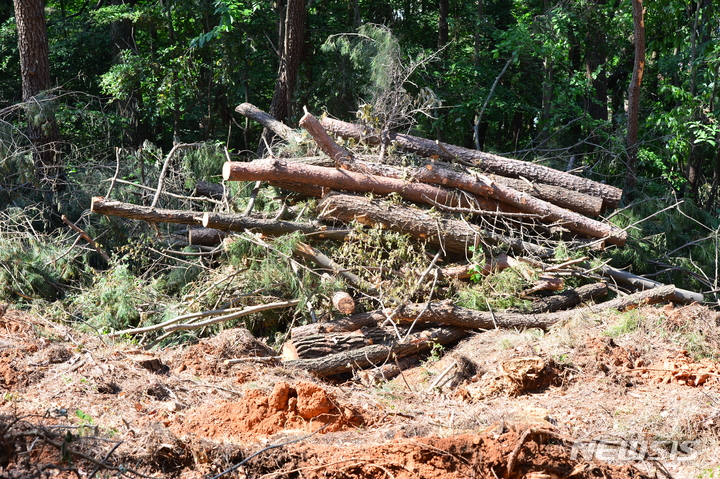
(539, 81)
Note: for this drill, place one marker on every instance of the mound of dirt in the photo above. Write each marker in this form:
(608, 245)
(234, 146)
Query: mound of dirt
(304, 406)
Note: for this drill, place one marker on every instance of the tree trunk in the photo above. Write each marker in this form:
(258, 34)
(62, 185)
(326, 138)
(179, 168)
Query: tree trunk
(451, 235)
(569, 299)
(634, 94)
(290, 59)
(35, 72)
(377, 354)
(288, 171)
(493, 163)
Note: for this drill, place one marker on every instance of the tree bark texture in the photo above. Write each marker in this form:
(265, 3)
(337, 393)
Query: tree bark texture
(449, 314)
(492, 163)
(570, 298)
(266, 120)
(377, 354)
(290, 59)
(451, 235)
(633, 109)
(35, 73)
(288, 171)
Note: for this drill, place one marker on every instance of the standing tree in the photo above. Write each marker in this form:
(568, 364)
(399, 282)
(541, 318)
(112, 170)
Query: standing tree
(634, 94)
(35, 71)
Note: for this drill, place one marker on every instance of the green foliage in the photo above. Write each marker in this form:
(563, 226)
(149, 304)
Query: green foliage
(626, 323)
(495, 292)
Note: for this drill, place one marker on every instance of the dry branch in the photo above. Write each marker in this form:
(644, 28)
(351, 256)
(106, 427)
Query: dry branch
(451, 234)
(448, 313)
(570, 298)
(493, 163)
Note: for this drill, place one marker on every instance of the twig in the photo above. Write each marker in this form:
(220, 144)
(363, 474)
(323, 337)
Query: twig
(115, 176)
(259, 359)
(86, 237)
(161, 179)
(227, 317)
(155, 327)
(274, 446)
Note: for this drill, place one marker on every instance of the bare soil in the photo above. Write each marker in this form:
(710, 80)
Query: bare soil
(573, 402)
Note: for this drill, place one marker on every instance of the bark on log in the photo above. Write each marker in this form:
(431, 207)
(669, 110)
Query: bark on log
(349, 323)
(281, 170)
(450, 234)
(448, 313)
(570, 298)
(254, 113)
(205, 236)
(488, 162)
(320, 345)
(338, 154)
(376, 354)
(225, 222)
(209, 190)
(288, 171)
(638, 282)
(388, 371)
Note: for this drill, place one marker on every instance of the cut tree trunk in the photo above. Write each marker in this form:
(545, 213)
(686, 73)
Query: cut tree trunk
(320, 345)
(377, 354)
(205, 236)
(569, 299)
(343, 302)
(347, 324)
(288, 171)
(476, 184)
(448, 313)
(280, 170)
(488, 162)
(638, 282)
(452, 235)
(265, 119)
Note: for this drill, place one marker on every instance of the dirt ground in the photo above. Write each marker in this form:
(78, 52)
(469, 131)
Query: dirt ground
(574, 402)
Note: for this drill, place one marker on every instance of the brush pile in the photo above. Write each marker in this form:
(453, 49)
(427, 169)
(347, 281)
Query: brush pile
(473, 213)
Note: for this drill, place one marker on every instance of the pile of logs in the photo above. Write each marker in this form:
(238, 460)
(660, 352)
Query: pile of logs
(450, 198)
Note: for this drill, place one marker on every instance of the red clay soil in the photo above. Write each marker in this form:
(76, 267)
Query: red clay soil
(73, 406)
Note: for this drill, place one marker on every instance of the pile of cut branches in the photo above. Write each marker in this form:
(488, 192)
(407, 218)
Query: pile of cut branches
(455, 202)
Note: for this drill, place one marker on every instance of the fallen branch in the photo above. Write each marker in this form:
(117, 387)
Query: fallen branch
(452, 315)
(86, 237)
(238, 314)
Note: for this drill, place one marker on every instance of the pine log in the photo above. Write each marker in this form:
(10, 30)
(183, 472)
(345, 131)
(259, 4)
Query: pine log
(270, 169)
(210, 190)
(488, 162)
(570, 298)
(448, 313)
(316, 346)
(377, 354)
(346, 324)
(292, 172)
(205, 236)
(638, 282)
(343, 302)
(254, 113)
(450, 234)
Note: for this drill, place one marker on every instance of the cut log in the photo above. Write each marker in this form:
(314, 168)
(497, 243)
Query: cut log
(338, 154)
(343, 302)
(292, 172)
(205, 236)
(486, 161)
(450, 234)
(317, 346)
(448, 313)
(350, 323)
(210, 190)
(254, 113)
(280, 170)
(377, 354)
(638, 282)
(570, 298)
